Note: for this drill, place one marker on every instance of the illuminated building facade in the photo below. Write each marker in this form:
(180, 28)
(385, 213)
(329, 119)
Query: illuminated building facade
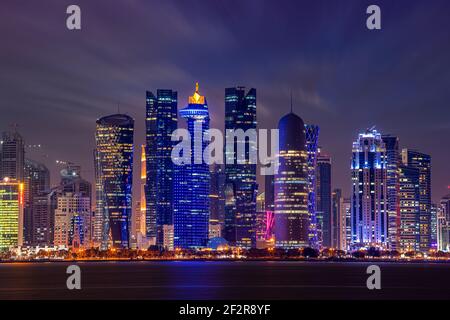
(140, 218)
(422, 162)
(409, 206)
(11, 213)
(37, 182)
(161, 122)
(217, 200)
(192, 180)
(323, 198)
(240, 218)
(114, 178)
(338, 224)
(291, 185)
(347, 208)
(392, 185)
(369, 193)
(72, 220)
(312, 139)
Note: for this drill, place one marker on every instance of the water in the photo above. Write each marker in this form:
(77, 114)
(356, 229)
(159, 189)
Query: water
(224, 280)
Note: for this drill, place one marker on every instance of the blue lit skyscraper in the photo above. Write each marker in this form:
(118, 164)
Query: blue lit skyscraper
(369, 200)
(161, 122)
(192, 180)
(114, 178)
(240, 216)
(324, 198)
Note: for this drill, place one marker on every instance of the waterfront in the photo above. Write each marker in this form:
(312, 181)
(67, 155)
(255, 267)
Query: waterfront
(210, 280)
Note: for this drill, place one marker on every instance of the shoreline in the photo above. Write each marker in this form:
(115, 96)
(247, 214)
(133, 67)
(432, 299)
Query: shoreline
(402, 261)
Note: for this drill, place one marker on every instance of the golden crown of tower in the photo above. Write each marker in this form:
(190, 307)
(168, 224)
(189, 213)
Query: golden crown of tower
(196, 98)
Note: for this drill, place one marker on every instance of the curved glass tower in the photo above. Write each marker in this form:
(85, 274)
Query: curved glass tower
(114, 177)
(192, 181)
(292, 221)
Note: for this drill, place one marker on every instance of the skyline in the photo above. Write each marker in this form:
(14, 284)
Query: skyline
(333, 65)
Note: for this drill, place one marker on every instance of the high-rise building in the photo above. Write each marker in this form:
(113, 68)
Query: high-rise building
(347, 211)
(323, 197)
(269, 204)
(114, 178)
(72, 220)
(43, 209)
(37, 182)
(192, 180)
(409, 198)
(392, 185)
(443, 225)
(12, 156)
(369, 193)
(141, 209)
(240, 218)
(338, 217)
(161, 122)
(312, 139)
(11, 213)
(217, 196)
(421, 161)
(434, 226)
(292, 223)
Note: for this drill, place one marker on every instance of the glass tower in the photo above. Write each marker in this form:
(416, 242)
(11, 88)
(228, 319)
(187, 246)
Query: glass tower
(161, 122)
(192, 180)
(292, 223)
(324, 198)
(422, 162)
(114, 178)
(240, 217)
(369, 199)
(312, 139)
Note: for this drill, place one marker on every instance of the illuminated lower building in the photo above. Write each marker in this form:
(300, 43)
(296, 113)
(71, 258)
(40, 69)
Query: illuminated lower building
(409, 197)
(72, 221)
(192, 180)
(422, 162)
(292, 223)
(114, 178)
(11, 213)
(369, 193)
(312, 139)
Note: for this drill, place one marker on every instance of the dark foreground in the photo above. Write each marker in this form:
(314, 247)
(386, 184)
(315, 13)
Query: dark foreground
(224, 280)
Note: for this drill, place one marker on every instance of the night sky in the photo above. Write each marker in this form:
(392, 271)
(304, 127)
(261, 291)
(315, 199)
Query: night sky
(54, 83)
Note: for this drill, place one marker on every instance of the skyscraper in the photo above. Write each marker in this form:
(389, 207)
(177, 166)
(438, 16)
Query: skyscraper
(369, 193)
(161, 122)
(392, 185)
(323, 197)
(240, 218)
(114, 178)
(291, 185)
(192, 180)
(409, 198)
(338, 238)
(347, 211)
(422, 162)
(217, 197)
(11, 213)
(12, 156)
(312, 139)
(36, 181)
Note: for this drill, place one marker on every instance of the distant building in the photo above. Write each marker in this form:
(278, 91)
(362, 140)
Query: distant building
(240, 218)
(338, 217)
(11, 213)
(114, 178)
(161, 122)
(192, 181)
(323, 198)
(292, 223)
(37, 182)
(369, 192)
(422, 162)
(392, 186)
(72, 221)
(217, 197)
(409, 204)
(347, 211)
(312, 140)
(43, 210)
(443, 225)
(434, 226)
(168, 233)
(12, 156)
